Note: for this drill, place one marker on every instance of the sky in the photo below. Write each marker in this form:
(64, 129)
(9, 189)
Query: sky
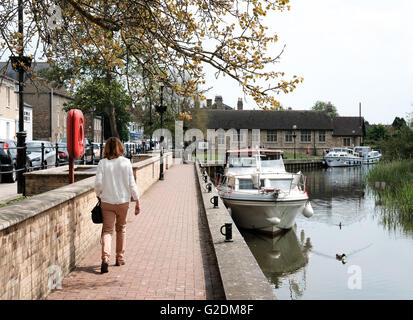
(347, 51)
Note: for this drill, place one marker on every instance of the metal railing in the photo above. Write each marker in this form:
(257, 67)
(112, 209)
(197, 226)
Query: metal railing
(46, 161)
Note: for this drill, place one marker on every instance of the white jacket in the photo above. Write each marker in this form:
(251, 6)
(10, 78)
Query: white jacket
(115, 182)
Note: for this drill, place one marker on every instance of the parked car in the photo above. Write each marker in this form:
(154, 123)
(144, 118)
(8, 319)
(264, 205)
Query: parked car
(96, 151)
(63, 154)
(88, 150)
(34, 153)
(8, 160)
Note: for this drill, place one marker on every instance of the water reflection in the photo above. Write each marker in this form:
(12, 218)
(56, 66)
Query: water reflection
(338, 194)
(281, 256)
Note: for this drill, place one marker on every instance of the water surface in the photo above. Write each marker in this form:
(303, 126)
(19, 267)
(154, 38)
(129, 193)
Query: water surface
(302, 264)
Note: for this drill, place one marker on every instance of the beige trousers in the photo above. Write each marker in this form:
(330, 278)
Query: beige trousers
(112, 213)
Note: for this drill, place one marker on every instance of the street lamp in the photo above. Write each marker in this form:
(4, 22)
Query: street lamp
(150, 122)
(294, 136)
(20, 63)
(161, 109)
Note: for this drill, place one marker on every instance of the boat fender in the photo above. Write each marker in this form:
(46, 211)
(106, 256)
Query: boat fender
(274, 221)
(308, 210)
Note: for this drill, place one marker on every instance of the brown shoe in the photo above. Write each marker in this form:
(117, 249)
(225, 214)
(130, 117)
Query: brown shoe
(119, 262)
(104, 267)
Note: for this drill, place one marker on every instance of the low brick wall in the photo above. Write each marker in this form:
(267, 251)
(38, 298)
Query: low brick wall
(41, 181)
(43, 237)
(241, 275)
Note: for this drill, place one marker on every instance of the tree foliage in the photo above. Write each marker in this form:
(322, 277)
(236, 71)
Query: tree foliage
(169, 40)
(92, 95)
(327, 107)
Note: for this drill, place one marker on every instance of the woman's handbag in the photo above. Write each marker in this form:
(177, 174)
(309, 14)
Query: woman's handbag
(97, 213)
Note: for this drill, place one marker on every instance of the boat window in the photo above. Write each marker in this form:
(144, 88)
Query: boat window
(241, 162)
(245, 184)
(275, 164)
(282, 184)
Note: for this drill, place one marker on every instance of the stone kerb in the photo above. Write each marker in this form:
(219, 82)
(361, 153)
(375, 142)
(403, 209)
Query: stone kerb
(241, 275)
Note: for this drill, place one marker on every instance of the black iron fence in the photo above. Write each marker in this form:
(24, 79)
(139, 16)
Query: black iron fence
(55, 155)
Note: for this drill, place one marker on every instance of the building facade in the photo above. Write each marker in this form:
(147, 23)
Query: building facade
(299, 131)
(9, 108)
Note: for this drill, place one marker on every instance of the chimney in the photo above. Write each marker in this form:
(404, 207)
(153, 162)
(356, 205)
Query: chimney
(239, 104)
(218, 103)
(209, 103)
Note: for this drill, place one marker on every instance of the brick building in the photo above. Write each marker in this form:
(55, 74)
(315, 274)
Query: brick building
(302, 130)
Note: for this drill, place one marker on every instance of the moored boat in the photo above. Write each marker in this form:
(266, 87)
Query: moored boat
(261, 194)
(369, 156)
(342, 157)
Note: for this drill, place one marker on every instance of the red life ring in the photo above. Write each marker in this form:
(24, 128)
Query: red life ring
(75, 125)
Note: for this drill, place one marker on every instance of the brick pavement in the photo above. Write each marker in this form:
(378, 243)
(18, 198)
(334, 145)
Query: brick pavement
(169, 254)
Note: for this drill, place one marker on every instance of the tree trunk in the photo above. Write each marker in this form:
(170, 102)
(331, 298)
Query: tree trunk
(112, 112)
(112, 120)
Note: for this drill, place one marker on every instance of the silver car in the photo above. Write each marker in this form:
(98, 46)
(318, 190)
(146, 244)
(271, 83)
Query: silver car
(34, 153)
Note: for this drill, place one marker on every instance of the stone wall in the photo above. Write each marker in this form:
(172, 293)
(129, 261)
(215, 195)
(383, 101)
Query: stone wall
(241, 276)
(42, 238)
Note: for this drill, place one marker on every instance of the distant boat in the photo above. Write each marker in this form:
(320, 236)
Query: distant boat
(261, 195)
(369, 156)
(342, 157)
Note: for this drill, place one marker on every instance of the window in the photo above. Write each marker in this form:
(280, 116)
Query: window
(26, 116)
(322, 136)
(346, 142)
(221, 138)
(282, 184)
(245, 184)
(8, 96)
(238, 137)
(288, 136)
(271, 135)
(305, 136)
(255, 137)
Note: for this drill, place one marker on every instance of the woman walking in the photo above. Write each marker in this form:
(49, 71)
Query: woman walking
(114, 186)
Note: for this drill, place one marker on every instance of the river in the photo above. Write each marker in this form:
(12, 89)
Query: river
(302, 264)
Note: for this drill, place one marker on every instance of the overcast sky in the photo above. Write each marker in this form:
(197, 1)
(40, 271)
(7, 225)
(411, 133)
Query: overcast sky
(347, 51)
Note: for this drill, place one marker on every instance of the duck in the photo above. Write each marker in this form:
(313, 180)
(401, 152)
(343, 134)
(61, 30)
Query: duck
(340, 256)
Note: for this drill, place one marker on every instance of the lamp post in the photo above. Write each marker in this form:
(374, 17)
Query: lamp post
(161, 110)
(294, 136)
(20, 63)
(150, 122)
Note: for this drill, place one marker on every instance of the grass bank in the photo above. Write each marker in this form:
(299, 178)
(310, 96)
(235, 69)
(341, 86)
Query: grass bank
(396, 195)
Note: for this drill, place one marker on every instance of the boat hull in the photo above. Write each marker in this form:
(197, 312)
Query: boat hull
(342, 162)
(259, 215)
(371, 160)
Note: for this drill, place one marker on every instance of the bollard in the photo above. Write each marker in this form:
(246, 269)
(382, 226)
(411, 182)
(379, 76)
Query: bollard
(57, 155)
(214, 201)
(228, 232)
(42, 155)
(209, 187)
(205, 178)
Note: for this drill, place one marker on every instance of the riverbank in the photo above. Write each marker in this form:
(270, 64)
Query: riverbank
(396, 193)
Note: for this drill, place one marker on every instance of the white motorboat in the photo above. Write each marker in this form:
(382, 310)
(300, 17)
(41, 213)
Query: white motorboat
(342, 157)
(260, 193)
(369, 156)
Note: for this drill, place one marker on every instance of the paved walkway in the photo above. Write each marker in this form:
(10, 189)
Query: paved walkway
(8, 192)
(169, 254)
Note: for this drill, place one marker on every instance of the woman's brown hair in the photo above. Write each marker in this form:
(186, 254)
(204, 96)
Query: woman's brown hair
(113, 148)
